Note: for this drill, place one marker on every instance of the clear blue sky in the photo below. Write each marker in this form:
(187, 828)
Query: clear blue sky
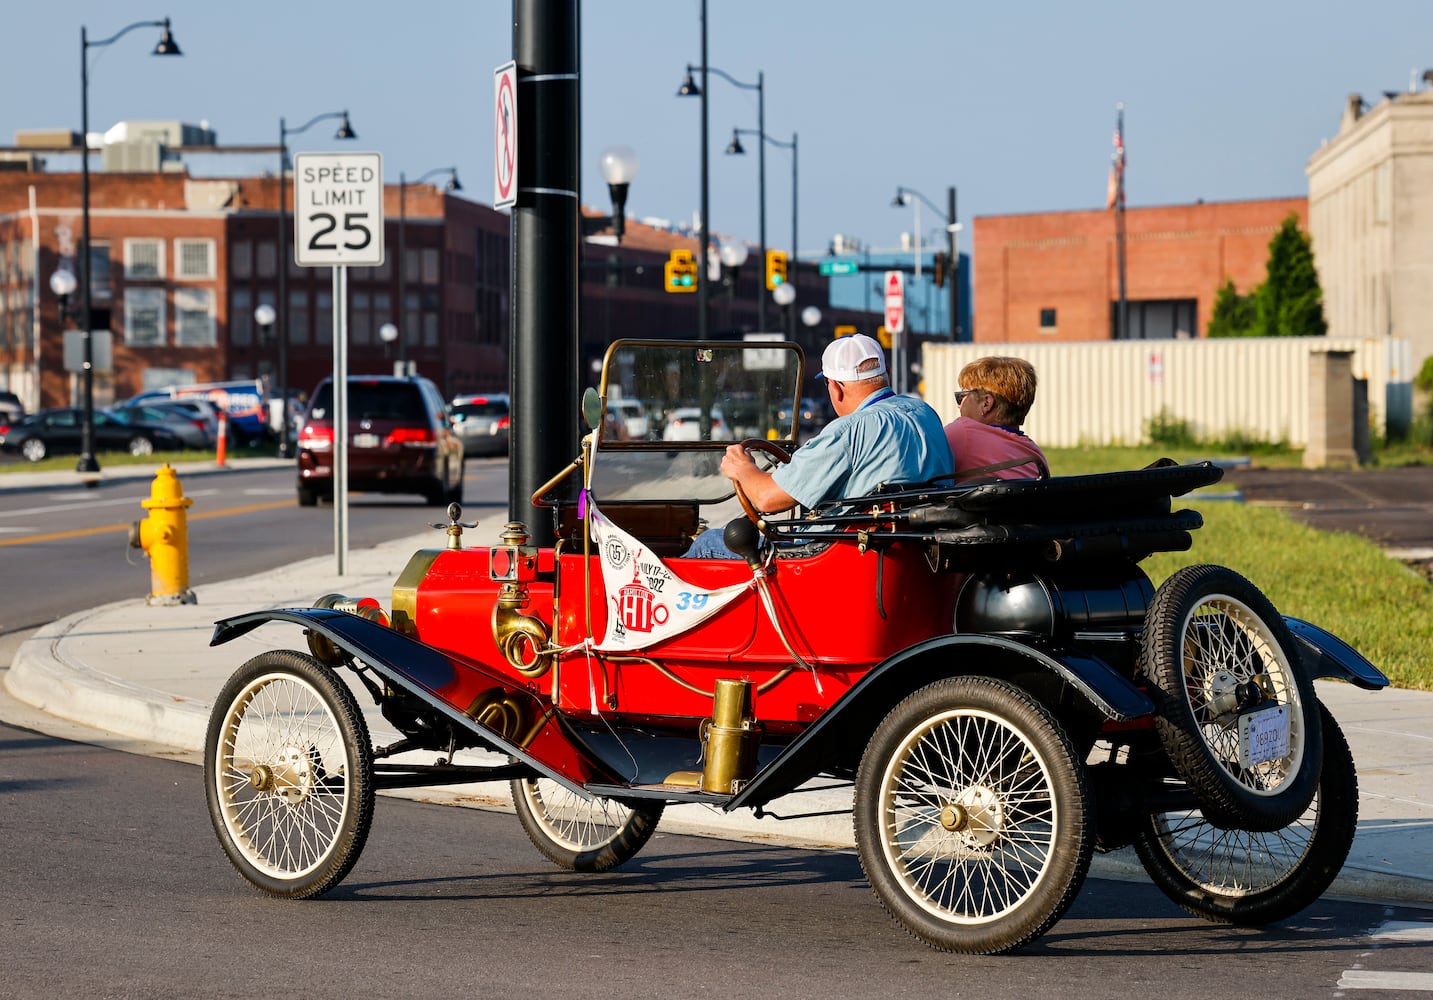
(1012, 103)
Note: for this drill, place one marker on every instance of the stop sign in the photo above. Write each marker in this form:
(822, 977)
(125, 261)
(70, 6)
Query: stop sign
(896, 301)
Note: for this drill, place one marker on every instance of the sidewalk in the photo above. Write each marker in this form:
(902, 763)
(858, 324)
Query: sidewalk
(148, 676)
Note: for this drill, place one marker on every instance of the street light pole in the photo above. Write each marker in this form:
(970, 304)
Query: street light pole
(282, 332)
(403, 331)
(166, 47)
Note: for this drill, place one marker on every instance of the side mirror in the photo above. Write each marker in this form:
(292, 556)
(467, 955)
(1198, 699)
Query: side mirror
(591, 408)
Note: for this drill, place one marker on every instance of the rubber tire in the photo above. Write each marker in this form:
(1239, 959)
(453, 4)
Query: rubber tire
(338, 732)
(140, 446)
(1252, 879)
(455, 495)
(435, 494)
(308, 496)
(1229, 795)
(597, 835)
(980, 713)
(34, 449)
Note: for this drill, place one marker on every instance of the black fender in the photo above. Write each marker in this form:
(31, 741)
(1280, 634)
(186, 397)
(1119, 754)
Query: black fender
(500, 711)
(1326, 655)
(856, 715)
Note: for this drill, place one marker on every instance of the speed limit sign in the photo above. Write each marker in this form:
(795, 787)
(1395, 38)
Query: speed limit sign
(338, 209)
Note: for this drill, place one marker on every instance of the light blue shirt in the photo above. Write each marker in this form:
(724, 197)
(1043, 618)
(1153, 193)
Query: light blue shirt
(889, 439)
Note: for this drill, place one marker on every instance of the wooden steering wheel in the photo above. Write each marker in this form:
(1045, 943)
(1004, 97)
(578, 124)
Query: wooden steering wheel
(775, 451)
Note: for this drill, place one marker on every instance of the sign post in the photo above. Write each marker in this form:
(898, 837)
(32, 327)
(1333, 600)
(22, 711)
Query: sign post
(895, 286)
(338, 223)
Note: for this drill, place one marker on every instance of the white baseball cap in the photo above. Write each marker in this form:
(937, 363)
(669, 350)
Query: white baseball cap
(846, 354)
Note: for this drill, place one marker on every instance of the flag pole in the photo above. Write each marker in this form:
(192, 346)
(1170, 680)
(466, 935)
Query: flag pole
(1122, 333)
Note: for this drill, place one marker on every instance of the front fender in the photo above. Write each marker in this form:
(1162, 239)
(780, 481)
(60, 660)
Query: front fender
(500, 711)
(1326, 655)
(858, 713)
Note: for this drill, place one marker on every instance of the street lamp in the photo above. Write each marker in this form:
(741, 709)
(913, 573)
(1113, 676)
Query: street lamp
(403, 182)
(344, 132)
(735, 148)
(733, 255)
(387, 333)
(690, 88)
(166, 47)
(910, 196)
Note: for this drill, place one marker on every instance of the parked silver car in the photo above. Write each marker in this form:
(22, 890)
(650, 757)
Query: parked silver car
(483, 423)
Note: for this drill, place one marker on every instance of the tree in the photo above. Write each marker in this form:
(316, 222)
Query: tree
(1290, 301)
(1234, 314)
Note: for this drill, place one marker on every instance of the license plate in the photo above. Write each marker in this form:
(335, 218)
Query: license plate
(1263, 735)
(365, 440)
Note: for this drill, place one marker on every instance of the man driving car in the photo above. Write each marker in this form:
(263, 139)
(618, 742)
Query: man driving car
(878, 437)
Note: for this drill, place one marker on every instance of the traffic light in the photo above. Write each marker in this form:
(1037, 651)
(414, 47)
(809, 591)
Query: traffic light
(942, 261)
(775, 269)
(680, 272)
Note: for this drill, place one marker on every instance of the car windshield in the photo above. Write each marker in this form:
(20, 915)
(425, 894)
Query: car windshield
(481, 408)
(400, 402)
(721, 392)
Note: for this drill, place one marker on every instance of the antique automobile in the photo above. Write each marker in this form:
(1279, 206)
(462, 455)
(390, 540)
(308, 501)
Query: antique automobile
(986, 667)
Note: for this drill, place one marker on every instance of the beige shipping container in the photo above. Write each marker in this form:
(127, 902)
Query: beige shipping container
(1107, 392)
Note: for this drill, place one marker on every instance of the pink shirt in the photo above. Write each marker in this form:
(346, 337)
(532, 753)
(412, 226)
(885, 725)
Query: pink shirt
(976, 445)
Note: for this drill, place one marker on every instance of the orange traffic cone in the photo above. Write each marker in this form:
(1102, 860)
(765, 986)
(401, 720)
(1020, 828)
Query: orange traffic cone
(221, 447)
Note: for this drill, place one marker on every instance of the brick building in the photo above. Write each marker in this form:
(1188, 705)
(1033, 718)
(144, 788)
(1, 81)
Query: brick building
(180, 264)
(1054, 276)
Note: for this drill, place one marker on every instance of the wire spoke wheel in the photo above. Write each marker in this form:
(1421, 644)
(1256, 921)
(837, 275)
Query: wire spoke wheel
(585, 835)
(288, 770)
(970, 816)
(1251, 877)
(1217, 654)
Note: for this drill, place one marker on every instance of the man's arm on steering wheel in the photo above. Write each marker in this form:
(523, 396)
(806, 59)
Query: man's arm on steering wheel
(759, 486)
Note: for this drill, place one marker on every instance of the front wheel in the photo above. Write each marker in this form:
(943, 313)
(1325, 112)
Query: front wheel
(34, 449)
(288, 774)
(582, 835)
(1250, 878)
(971, 816)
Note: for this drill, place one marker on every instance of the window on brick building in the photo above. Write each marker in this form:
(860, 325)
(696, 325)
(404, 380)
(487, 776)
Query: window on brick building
(298, 316)
(101, 290)
(194, 258)
(1047, 321)
(241, 317)
(144, 317)
(143, 259)
(194, 317)
(241, 259)
(1156, 319)
(265, 256)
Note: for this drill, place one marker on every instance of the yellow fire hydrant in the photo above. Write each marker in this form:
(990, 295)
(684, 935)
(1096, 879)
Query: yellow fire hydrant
(164, 536)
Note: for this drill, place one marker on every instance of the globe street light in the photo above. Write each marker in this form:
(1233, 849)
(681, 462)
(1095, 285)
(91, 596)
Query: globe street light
(403, 183)
(733, 254)
(166, 47)
(264, 316)
(387, 333)
(345, 131)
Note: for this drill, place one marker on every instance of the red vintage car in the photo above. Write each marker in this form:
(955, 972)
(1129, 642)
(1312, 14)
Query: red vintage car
(986, 665)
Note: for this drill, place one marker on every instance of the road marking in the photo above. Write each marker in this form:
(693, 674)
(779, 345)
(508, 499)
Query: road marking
(56, 536)
(1367, 979)
(130, 501)
(1405, 930)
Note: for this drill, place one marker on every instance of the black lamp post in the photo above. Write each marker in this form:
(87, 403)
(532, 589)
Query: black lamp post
(910, 196)
(690, 89)
(735, 148)
(403, 332)
(166, 47)
(264, 316)
(282, 333)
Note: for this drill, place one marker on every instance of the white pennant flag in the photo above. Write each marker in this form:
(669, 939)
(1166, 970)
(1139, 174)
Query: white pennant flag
(648, 602)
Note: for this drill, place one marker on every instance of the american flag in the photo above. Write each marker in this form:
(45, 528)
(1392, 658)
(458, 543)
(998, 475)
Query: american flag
(1116, 194)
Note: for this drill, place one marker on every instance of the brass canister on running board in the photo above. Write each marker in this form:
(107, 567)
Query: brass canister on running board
(730, 738)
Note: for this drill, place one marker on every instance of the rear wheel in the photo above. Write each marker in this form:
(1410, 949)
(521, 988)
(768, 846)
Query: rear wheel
(308, 496)
(140, 445)
(34, 449)
(1219, 655)
(288, 774)
(1243, 877)
(970, 816)
(583, 835)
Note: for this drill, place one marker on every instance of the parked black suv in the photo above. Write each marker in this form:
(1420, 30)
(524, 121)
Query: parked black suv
(400, 440)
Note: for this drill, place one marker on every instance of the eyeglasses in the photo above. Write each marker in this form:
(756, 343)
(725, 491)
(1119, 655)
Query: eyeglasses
(960, 394)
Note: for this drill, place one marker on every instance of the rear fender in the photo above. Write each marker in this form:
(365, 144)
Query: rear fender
(841, 732)
(1326, 655)
(500, 711)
